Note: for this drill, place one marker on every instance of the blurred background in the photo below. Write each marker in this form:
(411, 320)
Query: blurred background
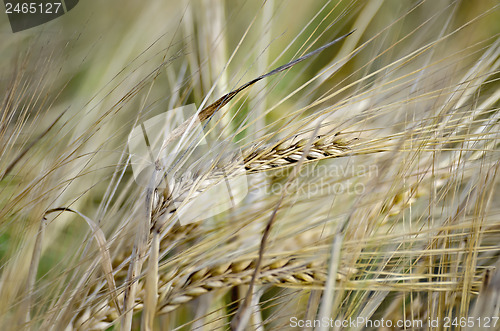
(92, 74)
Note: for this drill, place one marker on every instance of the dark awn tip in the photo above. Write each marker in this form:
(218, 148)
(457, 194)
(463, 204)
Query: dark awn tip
(222, 101)
(208, 111)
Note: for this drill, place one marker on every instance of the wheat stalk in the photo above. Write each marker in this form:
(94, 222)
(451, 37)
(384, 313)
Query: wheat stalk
(178, 288)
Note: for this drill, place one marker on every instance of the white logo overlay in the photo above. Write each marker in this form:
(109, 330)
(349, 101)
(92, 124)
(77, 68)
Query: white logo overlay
(202, 175)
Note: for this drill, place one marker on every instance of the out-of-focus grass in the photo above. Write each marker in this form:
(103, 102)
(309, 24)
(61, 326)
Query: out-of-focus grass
(419, 242)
